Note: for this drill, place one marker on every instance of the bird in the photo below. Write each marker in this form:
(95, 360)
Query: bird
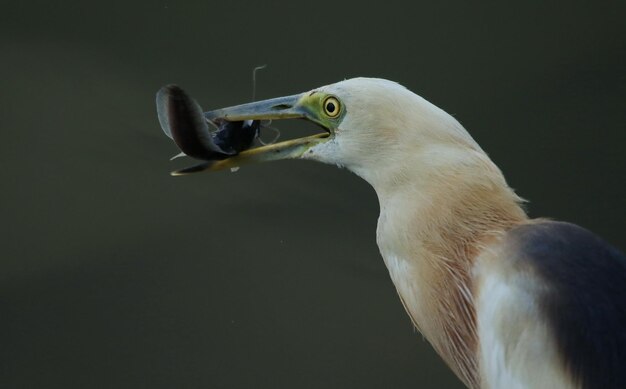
(505, 300)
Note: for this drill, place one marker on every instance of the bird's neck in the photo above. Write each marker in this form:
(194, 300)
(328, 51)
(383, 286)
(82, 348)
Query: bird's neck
(433, 224)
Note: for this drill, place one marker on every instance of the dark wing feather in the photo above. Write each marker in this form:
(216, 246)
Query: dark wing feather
(585, 302)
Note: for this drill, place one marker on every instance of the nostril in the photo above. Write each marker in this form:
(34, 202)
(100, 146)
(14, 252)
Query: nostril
(279, 107)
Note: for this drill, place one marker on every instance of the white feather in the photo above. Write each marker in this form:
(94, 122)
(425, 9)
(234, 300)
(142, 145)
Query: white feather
(516, 347)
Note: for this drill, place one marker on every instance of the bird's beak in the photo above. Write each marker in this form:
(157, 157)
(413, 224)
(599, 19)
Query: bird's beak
(289, 107)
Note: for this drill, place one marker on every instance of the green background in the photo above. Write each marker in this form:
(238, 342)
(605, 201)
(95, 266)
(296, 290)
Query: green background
(115, 275)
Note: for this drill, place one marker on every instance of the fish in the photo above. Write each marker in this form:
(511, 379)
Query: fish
(237, 136)
(182, 119)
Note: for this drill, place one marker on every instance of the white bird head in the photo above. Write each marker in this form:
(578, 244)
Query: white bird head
(385, 128)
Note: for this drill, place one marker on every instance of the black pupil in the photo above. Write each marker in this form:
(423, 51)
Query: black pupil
(330, 107)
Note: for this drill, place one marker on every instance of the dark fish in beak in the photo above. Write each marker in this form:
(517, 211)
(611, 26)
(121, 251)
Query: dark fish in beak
(237, 136)
(181, 119)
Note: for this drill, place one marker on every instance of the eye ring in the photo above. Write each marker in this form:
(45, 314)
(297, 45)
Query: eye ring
(332, 106)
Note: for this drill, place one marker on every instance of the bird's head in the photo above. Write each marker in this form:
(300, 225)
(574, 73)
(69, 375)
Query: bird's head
(374, 127)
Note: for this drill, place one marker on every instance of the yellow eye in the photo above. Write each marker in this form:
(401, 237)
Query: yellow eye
(332, 107)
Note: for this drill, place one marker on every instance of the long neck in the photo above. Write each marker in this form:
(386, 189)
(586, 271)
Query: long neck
(433, 224)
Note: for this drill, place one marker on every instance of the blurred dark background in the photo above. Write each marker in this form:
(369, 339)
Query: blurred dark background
(115, 275)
